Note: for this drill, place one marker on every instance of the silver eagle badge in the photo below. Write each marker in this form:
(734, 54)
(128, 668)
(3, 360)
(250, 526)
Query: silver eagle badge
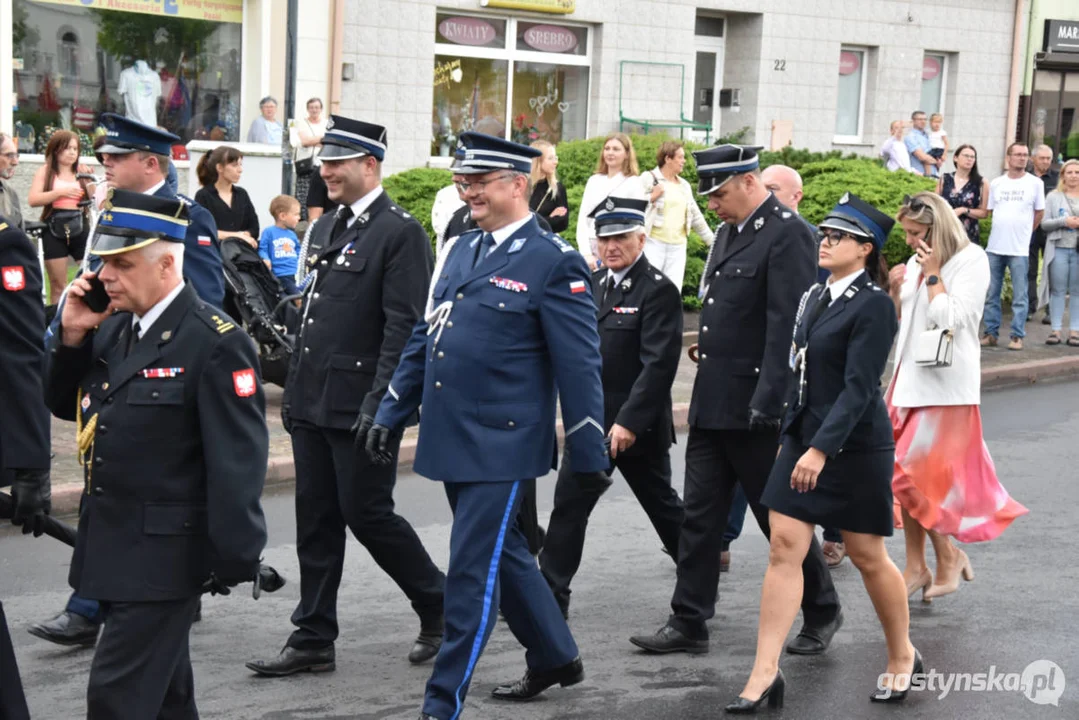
(758, 223)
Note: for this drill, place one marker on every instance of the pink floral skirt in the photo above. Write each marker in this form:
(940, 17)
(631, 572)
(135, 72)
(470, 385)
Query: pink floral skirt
(944, 477)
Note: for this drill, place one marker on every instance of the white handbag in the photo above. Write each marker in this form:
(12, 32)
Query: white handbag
(933, 348)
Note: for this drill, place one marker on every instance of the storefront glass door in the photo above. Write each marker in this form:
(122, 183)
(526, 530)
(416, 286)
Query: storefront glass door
(1054, 105)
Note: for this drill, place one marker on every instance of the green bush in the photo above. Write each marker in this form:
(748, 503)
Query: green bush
(415, 191)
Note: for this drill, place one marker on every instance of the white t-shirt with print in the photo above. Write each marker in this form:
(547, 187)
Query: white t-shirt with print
(1014, 202)
(140, 88)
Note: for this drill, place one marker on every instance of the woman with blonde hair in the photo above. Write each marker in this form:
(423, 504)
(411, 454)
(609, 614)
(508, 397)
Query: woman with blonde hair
(548, 195)
(944, 478)
(616, 174)
(1061, 276)
(672, 213)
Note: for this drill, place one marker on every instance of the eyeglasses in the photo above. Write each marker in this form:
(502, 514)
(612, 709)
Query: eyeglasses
(913, 203)
(831, 238)
(481, 186)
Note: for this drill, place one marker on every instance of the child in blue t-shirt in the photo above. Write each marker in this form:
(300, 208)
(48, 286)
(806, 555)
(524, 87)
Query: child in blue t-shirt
(279, 247)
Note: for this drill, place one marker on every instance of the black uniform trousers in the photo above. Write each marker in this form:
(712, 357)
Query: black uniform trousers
(142, 664)
(337, 486)
(12, 699)
(648, 476)
(715, 461)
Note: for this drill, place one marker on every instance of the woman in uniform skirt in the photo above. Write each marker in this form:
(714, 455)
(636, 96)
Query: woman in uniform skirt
(835, 459)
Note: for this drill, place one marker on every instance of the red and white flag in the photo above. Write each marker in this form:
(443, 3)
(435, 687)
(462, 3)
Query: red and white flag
(577, 286)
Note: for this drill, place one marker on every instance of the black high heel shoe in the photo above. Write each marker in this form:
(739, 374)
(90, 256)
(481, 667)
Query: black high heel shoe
(774, 696)
(897, 696)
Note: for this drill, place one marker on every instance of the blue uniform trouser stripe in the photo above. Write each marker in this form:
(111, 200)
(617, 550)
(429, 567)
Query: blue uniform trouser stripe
(490, 567)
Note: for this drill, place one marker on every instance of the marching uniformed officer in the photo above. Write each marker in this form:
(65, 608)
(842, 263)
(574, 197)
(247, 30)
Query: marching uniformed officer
(24, 418)
(837, 456)
(172, 435)
(640, 331)
(370, 268)
(513, 317)
(136, 158)
(762, 264)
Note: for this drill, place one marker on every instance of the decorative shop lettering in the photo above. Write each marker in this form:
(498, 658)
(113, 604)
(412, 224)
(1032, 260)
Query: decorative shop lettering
(230, 11)
(550, 38)
(447, 71)
(1062, 36)
(467, 30)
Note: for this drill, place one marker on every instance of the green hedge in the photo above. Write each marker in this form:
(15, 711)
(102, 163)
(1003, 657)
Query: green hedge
(826, 176)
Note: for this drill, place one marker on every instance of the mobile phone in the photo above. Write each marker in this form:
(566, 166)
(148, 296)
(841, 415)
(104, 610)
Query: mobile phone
(97, 299)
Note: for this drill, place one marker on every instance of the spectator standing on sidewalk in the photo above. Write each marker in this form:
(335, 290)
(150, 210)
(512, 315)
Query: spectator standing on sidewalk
(918, 145)
(1061, 276)
(966, 191)
(944, 478)
(1016, 204)
(10, 207)
(1041, 166)
(616, 174)
(894, 150)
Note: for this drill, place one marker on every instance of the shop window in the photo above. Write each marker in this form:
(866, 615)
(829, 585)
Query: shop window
(521, 80)
(180, 71)
(934, 72)
(850, 103)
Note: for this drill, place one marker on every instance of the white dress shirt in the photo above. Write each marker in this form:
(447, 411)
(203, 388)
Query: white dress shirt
(147, 321)
(363, 203)
(838, 287)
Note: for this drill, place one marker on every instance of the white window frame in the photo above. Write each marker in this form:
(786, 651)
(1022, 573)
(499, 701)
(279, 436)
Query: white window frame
(512, 55)
(941, 104)
(854, 139)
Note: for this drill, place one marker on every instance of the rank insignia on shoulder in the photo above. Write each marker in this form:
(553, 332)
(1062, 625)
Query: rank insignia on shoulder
(162, 372)
(222, 325)
(243, 382)
(512, 285)
(758, 223)
(559, 242)
(625, 310)
(3, 227)
(845, 199)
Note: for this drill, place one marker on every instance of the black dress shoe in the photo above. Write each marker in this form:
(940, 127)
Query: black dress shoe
(898, 696)
(774, 696)
(533, 682)
(667, 640)
(426, 647)
(815, 640)
(292, 660)
(425, 716)
(68, 629)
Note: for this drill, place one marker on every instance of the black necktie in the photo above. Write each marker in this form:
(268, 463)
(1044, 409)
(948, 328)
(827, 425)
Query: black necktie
(341, 223)
(133, 338)
(608, 288)
(486, 243)
(818, 309)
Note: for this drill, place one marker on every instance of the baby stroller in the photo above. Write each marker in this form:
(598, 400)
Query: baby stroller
(255, 298)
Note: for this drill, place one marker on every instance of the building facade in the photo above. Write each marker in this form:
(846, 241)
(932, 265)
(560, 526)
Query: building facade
(1050, 99)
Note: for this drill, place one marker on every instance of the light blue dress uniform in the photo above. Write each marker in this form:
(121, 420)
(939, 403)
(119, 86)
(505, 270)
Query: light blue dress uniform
(485, 365)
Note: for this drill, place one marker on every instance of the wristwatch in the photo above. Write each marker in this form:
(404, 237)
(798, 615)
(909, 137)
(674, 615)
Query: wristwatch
(932, 280)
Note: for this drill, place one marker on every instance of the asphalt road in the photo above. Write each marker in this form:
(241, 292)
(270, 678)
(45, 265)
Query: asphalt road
(1021, 608)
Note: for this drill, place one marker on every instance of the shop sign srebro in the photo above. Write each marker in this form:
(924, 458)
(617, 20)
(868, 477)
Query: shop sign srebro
(558, 7)
(230, 11)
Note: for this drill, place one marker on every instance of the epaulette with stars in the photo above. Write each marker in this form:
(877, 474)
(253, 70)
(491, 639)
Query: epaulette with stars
(215, 319)
(400, 212)
(184, 199)
(557, 241)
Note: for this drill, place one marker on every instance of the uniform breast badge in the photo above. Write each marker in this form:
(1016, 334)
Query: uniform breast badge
(511, 285)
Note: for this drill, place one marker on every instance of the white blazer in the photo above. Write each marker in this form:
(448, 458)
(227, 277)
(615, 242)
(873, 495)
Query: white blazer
(966, 282)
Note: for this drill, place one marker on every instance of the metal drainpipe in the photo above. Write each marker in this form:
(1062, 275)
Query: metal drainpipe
(337, 51)
(1018, 70)
(291, 32)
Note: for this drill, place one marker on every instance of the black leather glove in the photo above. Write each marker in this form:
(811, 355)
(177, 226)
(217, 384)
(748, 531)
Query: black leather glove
(360, 428)
(32, 492)
(594, 482)
(218, 586)
(760, 421)
(378, 445)
(286, 417)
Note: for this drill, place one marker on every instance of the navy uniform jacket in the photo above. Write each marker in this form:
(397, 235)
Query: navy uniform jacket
(369, 292)
(176, 468)
(202, 251)
(640, 339)
(461, 222)
(847, 349)
(753, 283)
(486, 366)
(24, 419)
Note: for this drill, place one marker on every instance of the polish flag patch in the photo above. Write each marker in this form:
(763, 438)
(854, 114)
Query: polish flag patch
(577, 286)
(243, 381)
(14, 277)
(205, 240)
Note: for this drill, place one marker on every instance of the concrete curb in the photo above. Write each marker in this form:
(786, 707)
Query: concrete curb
(280, 470)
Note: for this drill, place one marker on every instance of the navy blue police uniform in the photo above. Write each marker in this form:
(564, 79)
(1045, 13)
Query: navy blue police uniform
(513, 320)
(179, 401)
(841, 343)
(640, 329)
(202, 269)
(371, 265)
(24, 418)
(753, 282)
